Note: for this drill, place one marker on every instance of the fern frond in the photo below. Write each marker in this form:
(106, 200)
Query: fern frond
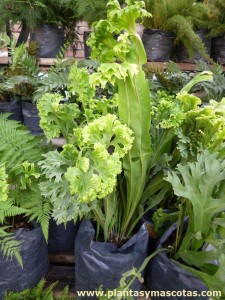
(40, 292)
(35, 206)
(52, 82)
(17, 144)
(9, 209)
(9, 246)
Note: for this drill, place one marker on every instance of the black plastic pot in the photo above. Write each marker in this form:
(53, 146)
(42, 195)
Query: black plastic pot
(164, 276)
(182, 54)
(13, 107)
(158, 44)
(87, 49)
(31, 118)
(35, 262)
(61, 238)
(49, 39)
(102, 264)
(218, 49)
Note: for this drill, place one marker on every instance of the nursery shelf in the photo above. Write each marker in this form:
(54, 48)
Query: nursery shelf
(47, 62)
(182, 66)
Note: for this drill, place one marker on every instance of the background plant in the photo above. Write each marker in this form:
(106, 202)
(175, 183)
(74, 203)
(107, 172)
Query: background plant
(182, 18)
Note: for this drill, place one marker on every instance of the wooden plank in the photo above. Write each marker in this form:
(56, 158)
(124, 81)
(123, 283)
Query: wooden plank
(4, 60)
(62, 257)
(182, 66)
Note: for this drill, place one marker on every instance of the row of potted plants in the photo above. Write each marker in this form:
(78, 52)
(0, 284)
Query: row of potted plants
(187, 28)
(187, 25)
(128, 151)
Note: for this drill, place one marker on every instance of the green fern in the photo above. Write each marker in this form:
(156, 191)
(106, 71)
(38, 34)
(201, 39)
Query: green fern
(35, 206)
(51, 82)
(9, 246)
(9, 209)
(17, 144)
(40, 292)
(182, 17)
(185, 33)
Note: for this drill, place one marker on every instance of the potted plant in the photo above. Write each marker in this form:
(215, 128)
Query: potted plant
(46, 20)
(107, 148)
(217, 29)
(194, 249)
(23, 256)
(20, 81)
(106, 170)
(178, 22)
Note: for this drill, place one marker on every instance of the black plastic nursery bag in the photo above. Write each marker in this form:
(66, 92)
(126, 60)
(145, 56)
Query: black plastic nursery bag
(158, 44)
(163, 275)
(61, 238)
(49, 39)
(31, 118)
(14, 107)
(35, 262)
(102, 264)
(218, 49)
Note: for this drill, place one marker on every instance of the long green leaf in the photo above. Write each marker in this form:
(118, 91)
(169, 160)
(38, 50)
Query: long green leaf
(134, 110)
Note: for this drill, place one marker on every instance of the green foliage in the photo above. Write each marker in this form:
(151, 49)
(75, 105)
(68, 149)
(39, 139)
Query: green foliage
(87, 169)
(182, 17)
(201, 185)
(217, 16)
(20, 77)
(40, 292)
(3, 185)
(60, 116)
(19, 154)
(90, 11)
(163, 219)
(31, 13)
(9, 246)
(17, 144)
(4, 40)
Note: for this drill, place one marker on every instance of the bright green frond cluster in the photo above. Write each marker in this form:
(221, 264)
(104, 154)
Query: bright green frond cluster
(105, 43)
(56, 117)
(110, 72)
(103, 142)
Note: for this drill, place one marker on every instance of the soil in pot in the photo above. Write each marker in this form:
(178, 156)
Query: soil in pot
(164, 276)
(100, 263)
(182, 54)
(49, 39)
(158, 44)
